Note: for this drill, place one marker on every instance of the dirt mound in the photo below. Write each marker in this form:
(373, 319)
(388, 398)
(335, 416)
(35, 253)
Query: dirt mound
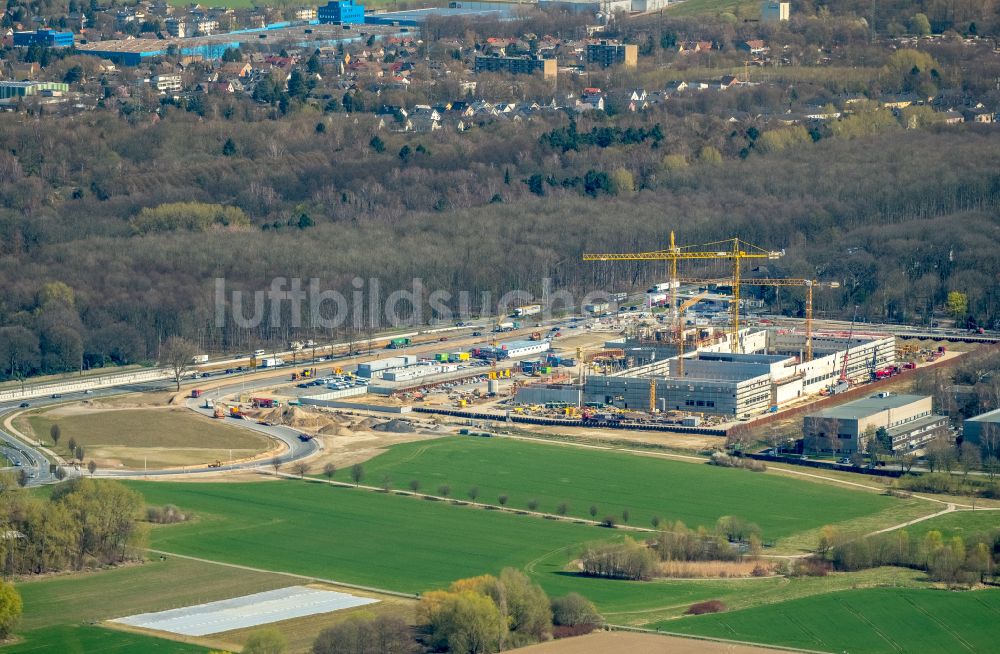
(272, 416)
(334, 429)
(367, 423)
(395, 426)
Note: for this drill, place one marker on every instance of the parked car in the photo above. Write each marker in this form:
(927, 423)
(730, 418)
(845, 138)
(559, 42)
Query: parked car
(477, 333)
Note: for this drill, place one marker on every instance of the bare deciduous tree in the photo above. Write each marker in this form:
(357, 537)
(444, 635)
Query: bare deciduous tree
(177, 354)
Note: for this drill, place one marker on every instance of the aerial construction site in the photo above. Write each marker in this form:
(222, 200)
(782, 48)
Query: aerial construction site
(689, 354)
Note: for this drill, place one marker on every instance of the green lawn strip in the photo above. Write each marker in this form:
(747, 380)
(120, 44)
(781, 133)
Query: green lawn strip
(694, 7)
(958, 523)
(898, 512)
(873, 620)
(153, 586)
(354, 536)
(697, 494)
(68, 639)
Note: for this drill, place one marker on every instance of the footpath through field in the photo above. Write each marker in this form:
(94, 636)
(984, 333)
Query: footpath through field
(321, 580)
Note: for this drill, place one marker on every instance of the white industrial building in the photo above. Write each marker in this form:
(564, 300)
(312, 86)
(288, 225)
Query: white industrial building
(770, 373)
(605, 9)
(774, 11)
(373, 368)
(648, 5)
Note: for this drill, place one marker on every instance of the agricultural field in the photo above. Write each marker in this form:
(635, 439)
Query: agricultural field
(646, 486)
(156, 585)
(354, 535)
(872, 620)
(132, 438)
(86, 640)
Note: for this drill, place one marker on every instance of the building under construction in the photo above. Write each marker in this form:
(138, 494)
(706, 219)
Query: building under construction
(769, 372)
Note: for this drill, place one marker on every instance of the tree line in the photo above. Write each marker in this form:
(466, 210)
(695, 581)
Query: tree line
(113, 233)
(83, 523)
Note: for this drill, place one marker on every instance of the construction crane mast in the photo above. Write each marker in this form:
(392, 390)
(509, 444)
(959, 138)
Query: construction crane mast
(809, 285)
(734, 250)
(679, 328)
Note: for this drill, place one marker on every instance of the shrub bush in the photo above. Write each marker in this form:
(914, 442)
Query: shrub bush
(709, 606)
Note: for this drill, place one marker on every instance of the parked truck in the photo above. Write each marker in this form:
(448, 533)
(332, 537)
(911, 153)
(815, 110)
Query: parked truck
(507, 326)
(200, 358)
(196, 392)
(527, 310)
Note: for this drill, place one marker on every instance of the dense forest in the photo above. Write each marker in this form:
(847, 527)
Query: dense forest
(115, 223)
(900, 217)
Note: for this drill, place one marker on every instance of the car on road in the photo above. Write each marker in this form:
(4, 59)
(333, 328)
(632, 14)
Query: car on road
(206, 374)
(56, 396)
(844, 460)
(24, 405)
(87, 391)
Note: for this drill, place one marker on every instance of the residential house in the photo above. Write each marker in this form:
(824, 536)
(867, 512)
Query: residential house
(978, 115)
(754, 47)
(694, 47)
(729, 81)
(235, 69)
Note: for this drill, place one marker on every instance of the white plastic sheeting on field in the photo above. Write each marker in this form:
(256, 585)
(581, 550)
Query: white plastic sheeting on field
(246, 611)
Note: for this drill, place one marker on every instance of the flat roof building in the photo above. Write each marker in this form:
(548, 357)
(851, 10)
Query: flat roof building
(525, 65)
(47, 38)
(27, 89)
(612, 53)
(845, 429)
(341, 11)
(774, 11)
(771, 371)
(132, 52)
(984, 426)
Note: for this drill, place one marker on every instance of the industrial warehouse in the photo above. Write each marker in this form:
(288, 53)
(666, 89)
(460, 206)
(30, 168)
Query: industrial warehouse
(713, 379)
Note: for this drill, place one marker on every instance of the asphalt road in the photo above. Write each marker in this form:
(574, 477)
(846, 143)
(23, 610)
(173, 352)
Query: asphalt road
(34, 461)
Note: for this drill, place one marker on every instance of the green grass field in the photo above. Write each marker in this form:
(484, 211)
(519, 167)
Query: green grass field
(68, 639)
(154, 586)
(157, 438)
(959, 523)
(875, 621)
(355, 536)
(695, 7)
(697, 494)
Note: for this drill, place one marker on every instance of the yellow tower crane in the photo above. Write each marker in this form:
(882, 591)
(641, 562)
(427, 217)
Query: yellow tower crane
(733, 249)
(679, 328)
(809, 285)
